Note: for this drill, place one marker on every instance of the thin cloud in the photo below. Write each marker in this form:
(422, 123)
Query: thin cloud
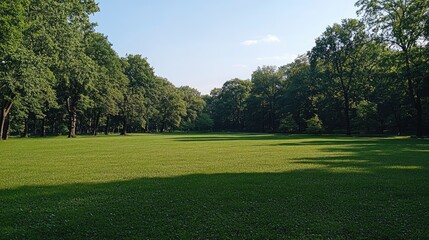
(267, 39)
(250, 42)
(270, 39)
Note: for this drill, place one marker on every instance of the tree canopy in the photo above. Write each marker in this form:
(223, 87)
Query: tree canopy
(59, 76)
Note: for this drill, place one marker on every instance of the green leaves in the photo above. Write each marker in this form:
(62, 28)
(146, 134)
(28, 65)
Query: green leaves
(399, 22)
(12, 15)
(341, 56)
(402, 24)
(194, 105)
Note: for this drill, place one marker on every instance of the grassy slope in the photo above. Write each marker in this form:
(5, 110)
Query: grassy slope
(214, 186)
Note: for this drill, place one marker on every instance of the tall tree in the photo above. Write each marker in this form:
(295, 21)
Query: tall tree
(298, 96)
(214, 108)
(27, 80)
(171, 106)
(110, 80)
(134, 104)
(340, 54)
(234, 96)
(263, 102)
(12, 17)
(74, 70)
(401, 23)
(27, 85)
(194, 104)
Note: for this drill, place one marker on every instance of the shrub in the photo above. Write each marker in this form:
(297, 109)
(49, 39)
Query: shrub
(288, 124)
(314, 125)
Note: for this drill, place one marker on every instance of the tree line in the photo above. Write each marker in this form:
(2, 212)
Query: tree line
(59, 76)
(362, 76)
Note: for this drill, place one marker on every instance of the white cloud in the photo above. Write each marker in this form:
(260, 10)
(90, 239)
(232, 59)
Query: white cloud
(267, 39)
(250, 42)
(270, 39)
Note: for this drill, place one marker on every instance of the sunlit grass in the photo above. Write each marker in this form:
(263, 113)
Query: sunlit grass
(214, 186)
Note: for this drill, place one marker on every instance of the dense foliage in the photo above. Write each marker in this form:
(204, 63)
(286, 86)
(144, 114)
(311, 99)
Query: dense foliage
(59, 76)
(362, 76)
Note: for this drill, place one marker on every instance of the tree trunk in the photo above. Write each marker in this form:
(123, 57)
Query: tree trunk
(345, 90)
(272, 117)
(415, 98)
(80, 126)
(4, 113)
(91, 124)
(72, 126)
(72, 118)
(106, 130)
(7, 127)
(162, 127)
(347, 113)
(25, 133)
(42, 129)
(3, 118)
(34, 127)
(124, 129)
(419, 117)
(54, 130)
(96, 122)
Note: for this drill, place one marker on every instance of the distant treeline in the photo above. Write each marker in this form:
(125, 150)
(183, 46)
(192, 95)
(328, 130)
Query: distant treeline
(59, 76)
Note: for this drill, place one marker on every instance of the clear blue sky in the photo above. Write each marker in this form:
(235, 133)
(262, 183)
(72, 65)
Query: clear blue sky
(203, 43)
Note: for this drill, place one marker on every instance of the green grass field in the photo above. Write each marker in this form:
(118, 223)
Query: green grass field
(214, 186)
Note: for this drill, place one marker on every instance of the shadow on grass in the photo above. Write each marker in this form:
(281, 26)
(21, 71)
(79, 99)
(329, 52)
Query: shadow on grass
(299, 204)
(369, 154)
(197, 137)
(330, 139)
(388, 199)
(363, 153)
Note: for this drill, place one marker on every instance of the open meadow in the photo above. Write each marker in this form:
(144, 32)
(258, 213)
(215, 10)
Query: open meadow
(212, 186)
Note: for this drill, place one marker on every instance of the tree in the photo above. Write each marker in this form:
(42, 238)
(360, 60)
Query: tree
(76, 81)
(194, 104)
(11, 28)
(204, 122)
(134, 104)
(110, 81)
(288, 124)
(234, 95)
(263, 102)
(27, 78)
(340, 54)
(214, 108)
(314, 125)
(12, 24)
(366, 115)
(402, 23)
(74, 70)
(26, 84)
(171, 107)
(298, 93)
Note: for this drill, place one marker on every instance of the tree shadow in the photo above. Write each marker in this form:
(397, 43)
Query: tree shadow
(297, 204)
(306, 139)
(368, 188)
(370, 154)
(238, 137)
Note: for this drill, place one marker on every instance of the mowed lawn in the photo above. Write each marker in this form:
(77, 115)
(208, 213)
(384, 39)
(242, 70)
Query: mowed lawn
(199, 186)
